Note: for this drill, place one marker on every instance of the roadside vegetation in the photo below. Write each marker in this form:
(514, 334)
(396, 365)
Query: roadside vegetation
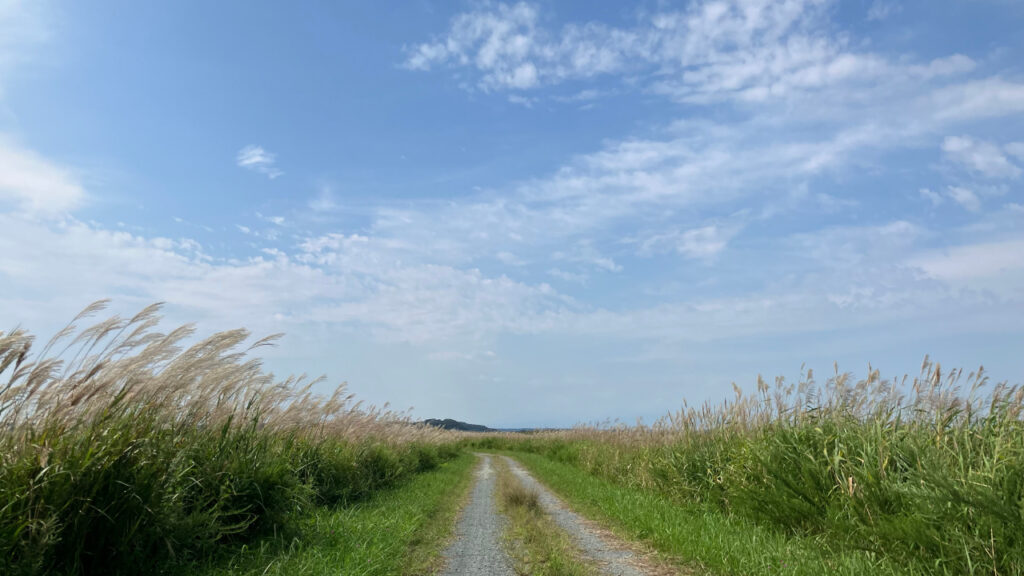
(697, 540)
(122, 449)
(536, 544)
(399, 531)
(876, 476)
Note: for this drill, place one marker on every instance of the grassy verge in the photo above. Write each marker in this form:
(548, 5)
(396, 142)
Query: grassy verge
(399, 531)
(698, 538)
(537, 545)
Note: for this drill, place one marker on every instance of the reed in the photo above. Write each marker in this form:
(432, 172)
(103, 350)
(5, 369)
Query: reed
(122, 446)
(927, 471)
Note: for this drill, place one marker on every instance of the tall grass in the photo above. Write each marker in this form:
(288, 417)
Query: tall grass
(122, 448)
(928, 471)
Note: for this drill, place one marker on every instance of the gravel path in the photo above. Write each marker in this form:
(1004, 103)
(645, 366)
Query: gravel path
(477, 549)
(611, 559)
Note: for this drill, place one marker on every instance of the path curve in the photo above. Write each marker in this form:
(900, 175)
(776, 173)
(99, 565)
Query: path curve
(477, 549)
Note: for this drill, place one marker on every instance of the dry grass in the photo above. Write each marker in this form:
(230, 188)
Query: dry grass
(516, 495)
(927, 470)
(80, 373)
(123, 444)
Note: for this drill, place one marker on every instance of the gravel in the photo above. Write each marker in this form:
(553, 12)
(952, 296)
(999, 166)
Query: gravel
(477, 549)
(611, 559)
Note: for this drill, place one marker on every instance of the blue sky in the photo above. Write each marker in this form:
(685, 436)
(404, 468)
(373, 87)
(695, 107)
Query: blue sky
(527, 213)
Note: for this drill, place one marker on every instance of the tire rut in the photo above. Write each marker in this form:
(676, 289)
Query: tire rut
(477, 549)
(612, 558)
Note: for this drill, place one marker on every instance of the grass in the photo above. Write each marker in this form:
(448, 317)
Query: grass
(121, 447)
(696, 539)
(395, 532)
(924, 475)
(536, 544)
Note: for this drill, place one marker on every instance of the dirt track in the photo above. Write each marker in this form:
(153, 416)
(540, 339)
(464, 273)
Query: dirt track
(477, 549)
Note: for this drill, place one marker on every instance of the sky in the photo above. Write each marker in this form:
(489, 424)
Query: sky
(527, 214)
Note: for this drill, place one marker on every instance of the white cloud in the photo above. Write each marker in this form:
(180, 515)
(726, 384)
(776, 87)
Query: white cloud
(948, 66)
(980, 157)
(584, 252)
(343, 280)
(257, 159)
(510, 51)
(882, 9)
(23, 24)
(568, 276)
(510, 259)
(34, 184)
(704, 243)
(848, 247)
(934, 197)
(324, 201)
(374, 285)
(964, 197)
(995, 265)
(987, 98)
(713, 50)
(521, 100)
(277, 220)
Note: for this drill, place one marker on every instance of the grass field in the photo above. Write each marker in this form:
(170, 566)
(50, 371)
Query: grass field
(398, 531)
(695, 539)
(875, 476)
(123, 447)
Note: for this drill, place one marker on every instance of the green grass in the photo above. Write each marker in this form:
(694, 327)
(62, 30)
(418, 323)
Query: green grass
(927, 474)
(398, 531)
(698, 538)
(125, 492)
(127, 449)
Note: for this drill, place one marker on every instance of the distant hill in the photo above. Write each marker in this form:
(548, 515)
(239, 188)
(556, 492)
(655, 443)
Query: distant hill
(449, 424)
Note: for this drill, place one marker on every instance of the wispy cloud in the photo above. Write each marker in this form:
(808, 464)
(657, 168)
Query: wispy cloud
(23, 24)
(987, 98)
(567, 276)
(935, 198)
(964, 197)
(882, 9)
(257, 159)
(324, 201)
(585, 253)
(35, 184)
(980, 157)
(278, 220)
(704, 242)
(709, 52)
(1016, 149)
(1000, 263)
